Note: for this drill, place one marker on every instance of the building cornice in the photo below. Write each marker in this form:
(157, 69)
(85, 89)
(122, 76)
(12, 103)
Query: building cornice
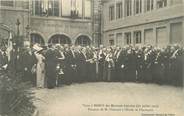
(61, 19)
(13, 9)
(116, 28)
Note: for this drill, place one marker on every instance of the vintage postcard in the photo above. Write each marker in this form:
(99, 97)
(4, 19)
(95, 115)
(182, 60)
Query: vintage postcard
(91, 57)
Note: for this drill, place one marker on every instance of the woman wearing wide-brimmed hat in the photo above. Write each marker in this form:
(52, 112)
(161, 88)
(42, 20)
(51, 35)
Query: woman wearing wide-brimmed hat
(40, 67)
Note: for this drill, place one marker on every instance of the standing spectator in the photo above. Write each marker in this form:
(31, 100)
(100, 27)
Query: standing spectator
(68, 62)
(60, 71)
(91, 65)
(50, 67)
(40, 68)
(28, 63)
(117, 72)
(121, 58)
(139, 65)
(110, 65)
(130, 66)
(81, 65)
(101, 61)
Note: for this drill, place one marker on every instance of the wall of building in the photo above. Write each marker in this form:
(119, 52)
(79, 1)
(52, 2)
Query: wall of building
(47, 27)
(154, 20)
(9, 16)
(154, 26)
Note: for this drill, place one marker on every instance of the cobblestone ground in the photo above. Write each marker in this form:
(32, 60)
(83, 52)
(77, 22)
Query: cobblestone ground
(79, 100)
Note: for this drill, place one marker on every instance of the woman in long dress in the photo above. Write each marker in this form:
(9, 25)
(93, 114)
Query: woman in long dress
(40, 70)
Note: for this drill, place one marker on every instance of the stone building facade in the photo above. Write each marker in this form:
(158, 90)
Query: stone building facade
(10, 12)
(48, 21)
(140, 22)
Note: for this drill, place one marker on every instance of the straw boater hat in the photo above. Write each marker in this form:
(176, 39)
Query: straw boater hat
(37, 47)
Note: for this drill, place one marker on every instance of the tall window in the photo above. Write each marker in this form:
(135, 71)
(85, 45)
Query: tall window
(46, 7)
(25, 4)
(38, 7)
(161, 3)
(149, 5)
(119, 10)
(6, 3)
(137, 37)
(66, 8)
(53, 7)
(87, 7)
(111, 39)
(111, 13)
(128, 38)
(76, 8)
(118, 39)
(128, 7)
(138, 6)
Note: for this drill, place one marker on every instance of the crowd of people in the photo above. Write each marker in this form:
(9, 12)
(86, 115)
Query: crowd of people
(56, 65)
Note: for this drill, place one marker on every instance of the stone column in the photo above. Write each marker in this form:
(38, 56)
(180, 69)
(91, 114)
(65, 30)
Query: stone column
(132, 38)
(123, 9)
(143, 5)
(142, 37)
(60, 8)
(154, 4)
(183, 33)
(132, 7)
(155, 36)
(83, 9)
(123, 39)
(168, 27)
(33, 8)
(115, 10)
(14, 3)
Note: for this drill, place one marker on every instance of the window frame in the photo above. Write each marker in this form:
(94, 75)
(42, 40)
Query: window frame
(138, 6)
(119, 10)
(7, 3)
(128, 38)
(138, 37)
(53, 9)
(111, 12)
(161, 3)
(128, 8)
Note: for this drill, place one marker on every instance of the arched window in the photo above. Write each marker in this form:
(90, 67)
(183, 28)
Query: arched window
(36, 38)
(83, 40)
(59, 39)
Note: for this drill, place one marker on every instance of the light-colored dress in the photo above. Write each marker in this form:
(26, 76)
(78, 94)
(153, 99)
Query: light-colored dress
(40, 71)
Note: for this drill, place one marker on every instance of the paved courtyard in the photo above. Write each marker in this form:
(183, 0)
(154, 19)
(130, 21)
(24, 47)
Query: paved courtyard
(111, 99)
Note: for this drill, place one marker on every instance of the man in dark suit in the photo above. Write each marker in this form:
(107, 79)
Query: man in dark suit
(28, 63)
(51, 62)
(120, 65)
(81, 65)
(130, 66)
(148, 61)
(139, 65)
(117, 72)
(70, 65)
(91, 65)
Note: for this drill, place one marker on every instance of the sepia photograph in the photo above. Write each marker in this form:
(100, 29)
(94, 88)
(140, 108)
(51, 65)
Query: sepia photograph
(91, 57)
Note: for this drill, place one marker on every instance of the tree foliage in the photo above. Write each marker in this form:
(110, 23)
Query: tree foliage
(16, 97)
